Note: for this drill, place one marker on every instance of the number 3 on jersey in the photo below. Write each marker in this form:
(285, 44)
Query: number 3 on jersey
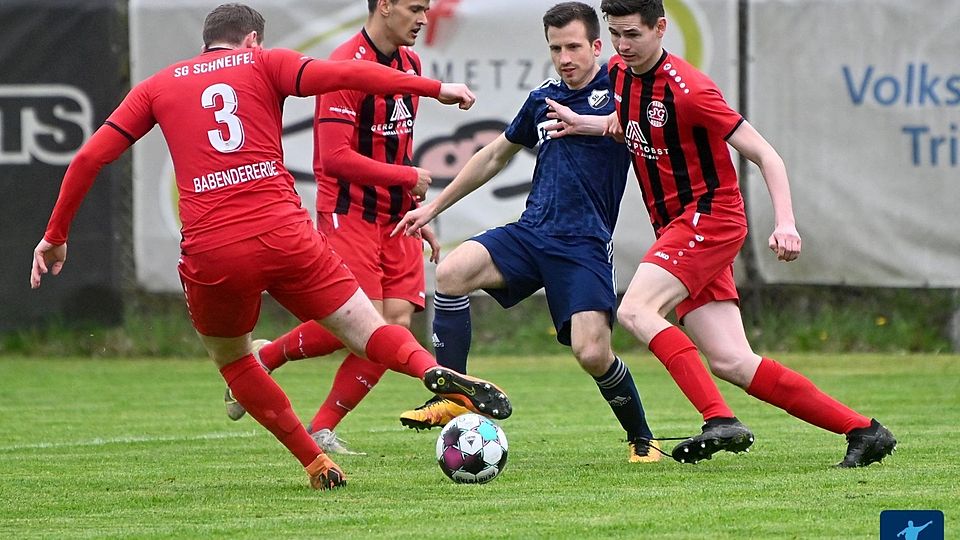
(225, 115)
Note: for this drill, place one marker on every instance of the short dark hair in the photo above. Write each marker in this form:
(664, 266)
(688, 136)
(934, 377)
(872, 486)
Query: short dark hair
(230, 23)
(565, 13)
(372, 4)
(650, 11)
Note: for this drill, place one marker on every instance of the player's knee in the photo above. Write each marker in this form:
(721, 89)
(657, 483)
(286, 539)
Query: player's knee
(402, 319)
(726, 364)
(594, 358)
(450, 280)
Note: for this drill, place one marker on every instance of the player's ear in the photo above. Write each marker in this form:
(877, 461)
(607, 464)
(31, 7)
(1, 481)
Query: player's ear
(250, 40)
(597, 47)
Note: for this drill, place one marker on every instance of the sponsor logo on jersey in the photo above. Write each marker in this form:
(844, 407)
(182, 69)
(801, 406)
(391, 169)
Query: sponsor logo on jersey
(400, 111)
(634, 133)
(599, 98)
(656, 113)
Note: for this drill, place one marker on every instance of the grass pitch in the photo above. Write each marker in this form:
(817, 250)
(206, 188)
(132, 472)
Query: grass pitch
(142, 448)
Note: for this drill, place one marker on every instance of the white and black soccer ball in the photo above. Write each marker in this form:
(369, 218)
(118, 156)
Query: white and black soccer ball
(472, 449)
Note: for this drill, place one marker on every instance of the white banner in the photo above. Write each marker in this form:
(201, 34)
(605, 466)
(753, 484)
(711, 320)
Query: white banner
(495, 46)
(862, 100)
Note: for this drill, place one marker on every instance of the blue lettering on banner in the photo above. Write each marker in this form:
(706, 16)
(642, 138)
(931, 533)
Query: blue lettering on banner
(918, 85)
(934, 149)
(911, 525)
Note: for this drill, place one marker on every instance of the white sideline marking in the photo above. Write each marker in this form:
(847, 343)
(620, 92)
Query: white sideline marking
(129, 439)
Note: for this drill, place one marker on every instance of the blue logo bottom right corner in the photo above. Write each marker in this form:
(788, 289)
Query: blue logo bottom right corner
(911, 525)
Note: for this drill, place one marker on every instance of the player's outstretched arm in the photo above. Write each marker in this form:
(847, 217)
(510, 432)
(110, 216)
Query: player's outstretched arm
(785, 240)
(484, 165)
(104, 146)
(322, 76)
(571, 123)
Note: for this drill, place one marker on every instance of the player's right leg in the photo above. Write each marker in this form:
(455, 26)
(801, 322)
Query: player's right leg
(717, 328)
(590, 340)
(361, 328)
(467, 268)
(223, 290)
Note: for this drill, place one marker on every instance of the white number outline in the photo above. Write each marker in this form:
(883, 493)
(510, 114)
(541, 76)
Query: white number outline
(226, 116)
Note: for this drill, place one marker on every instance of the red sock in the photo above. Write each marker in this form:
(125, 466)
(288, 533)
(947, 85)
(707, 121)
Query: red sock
(308, 340)
(679, 355)
(778, 385)
(395, 347)
(353, 381)
(266, 402)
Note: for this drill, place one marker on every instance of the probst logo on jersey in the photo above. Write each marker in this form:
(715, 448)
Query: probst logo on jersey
(401, 120)
(638, 144)
(400, 112)
(599, 98)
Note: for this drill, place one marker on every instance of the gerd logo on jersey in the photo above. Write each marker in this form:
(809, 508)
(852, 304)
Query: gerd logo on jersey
(400, 112)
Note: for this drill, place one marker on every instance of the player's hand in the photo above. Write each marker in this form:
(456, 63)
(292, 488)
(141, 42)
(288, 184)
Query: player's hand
(414, 220)
(451, 93)
(46, 258)
(424, 180)
(613, 129)
(430, 236)
(567, 120)
(785, 242)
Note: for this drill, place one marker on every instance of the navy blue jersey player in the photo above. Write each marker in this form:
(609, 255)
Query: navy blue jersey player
(562, 242)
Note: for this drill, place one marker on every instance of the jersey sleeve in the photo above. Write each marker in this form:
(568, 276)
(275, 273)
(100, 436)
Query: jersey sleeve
(523, 129)
(336, 124)
(134, 117)
(711, 111)
(297, 75)
(105, 146)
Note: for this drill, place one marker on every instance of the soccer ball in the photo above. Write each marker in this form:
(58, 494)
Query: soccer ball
(472, 449)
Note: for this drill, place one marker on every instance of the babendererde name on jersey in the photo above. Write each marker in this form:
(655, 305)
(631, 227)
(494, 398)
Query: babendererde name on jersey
(236, 175)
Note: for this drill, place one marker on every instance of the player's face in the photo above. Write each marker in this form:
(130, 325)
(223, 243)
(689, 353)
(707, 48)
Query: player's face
(574, 56)
(405, 20)
(639, 45)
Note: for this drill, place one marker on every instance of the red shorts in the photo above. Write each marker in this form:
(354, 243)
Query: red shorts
(293, 263)
(699, 249)
(385, 267)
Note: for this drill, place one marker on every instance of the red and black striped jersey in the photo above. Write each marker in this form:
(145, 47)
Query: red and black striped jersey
(676, 123)
(382, 131)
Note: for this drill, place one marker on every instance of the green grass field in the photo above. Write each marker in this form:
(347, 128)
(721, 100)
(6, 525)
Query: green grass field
(142, 449)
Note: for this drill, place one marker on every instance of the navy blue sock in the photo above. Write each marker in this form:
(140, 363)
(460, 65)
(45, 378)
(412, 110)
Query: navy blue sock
(617, 387)
(451, 330)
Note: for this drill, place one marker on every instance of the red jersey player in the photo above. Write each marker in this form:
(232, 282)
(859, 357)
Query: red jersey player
(365, 182)
(244, 230)
(677, 125)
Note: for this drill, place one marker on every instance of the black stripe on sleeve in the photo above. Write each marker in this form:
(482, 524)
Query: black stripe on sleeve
(337, 120)
(709, 169)
(735, 128)
(121, 130)
(300, 75)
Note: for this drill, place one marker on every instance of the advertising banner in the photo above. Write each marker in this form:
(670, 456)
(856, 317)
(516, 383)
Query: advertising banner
(64, 70)
(862, 100)
(495, 46)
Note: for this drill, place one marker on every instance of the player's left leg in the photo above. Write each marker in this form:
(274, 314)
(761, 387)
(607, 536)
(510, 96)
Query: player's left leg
(590, 337)
(717, 328)
(355, 378)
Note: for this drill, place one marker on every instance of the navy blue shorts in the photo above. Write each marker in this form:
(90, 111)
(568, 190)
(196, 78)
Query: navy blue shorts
(576, 272)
